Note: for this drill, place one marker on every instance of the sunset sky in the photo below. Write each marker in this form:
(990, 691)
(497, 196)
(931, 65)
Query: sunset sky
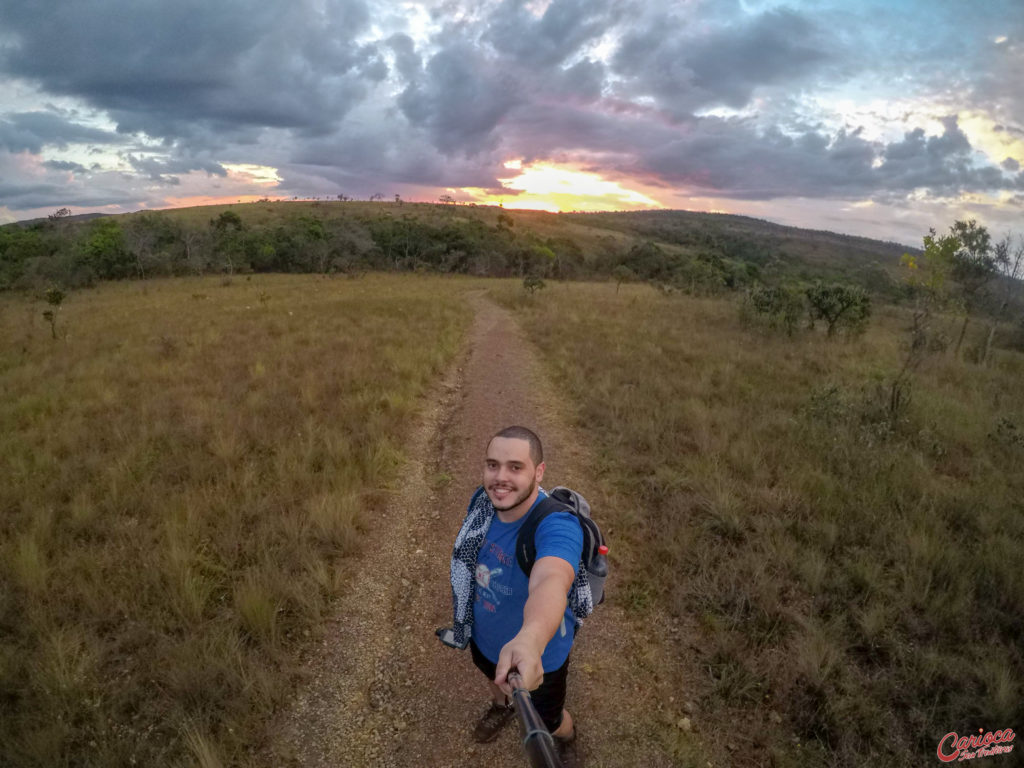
(878, 118)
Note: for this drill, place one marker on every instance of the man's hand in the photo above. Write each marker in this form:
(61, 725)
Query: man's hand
(522, 652)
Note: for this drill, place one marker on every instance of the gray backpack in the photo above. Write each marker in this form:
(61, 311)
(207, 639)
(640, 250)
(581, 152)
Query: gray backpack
(595, 562)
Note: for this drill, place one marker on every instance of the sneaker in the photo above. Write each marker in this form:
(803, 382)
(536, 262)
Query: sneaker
(568, 750)
(490, 725)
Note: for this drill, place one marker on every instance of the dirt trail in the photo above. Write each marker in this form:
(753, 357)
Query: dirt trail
(382, 691)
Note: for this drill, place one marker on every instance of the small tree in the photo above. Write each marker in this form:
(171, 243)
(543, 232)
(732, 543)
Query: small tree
(974, 265)
(839, 306)
(541, 259)
(781, 305)
(317, 242)
(227, 237)
(148, 237)
(104, 252)
(928, 281)
(54, 297)
(622, 274)
(532, 284)
(1009, 257)
(194, 246)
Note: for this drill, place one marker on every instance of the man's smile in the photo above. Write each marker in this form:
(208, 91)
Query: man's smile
(500, 492)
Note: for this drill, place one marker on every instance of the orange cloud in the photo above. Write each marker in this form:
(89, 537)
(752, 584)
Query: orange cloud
(196, 200)
(551, 187)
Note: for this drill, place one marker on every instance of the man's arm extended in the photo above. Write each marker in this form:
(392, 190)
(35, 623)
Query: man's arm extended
(550, 581)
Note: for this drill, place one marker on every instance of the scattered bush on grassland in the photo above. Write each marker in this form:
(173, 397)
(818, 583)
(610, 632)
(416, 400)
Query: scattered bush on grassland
(781, 306)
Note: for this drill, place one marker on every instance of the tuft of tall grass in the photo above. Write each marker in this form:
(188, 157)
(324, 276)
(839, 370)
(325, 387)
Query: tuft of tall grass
(855, 572)
(28, 565)
(257, 605)
(203, 748)
(183, 481)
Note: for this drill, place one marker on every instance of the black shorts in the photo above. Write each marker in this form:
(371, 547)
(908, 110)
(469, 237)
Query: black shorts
(548, 699)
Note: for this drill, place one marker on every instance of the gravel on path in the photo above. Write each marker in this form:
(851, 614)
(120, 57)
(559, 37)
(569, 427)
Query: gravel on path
(381, 690)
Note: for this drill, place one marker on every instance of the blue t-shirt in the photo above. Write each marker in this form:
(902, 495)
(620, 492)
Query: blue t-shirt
(502, 587)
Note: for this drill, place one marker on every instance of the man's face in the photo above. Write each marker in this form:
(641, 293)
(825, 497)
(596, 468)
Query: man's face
(510, 476)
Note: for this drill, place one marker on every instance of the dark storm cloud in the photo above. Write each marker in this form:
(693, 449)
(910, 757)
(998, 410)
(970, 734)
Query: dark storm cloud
(162, 170)
(65, 165)
(688, 68)
(549, 40)
(46, 195)
(940, 163)
(360, 161)
(162, 67)
(31, 131)
(582, 83)
(460, 99)
(408, 63)
(952, 142)
(507, 59)
(16, 193)
(732, 158)
(543, 130)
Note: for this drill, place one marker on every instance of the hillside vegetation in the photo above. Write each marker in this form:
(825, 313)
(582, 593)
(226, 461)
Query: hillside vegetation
(842, 575)
(702, 253)
(185, 469)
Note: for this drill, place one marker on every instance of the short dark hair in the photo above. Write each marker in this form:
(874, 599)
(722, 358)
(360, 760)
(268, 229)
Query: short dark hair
(522, 433)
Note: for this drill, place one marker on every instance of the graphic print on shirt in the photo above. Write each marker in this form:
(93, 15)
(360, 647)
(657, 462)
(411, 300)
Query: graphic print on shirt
(484, 593)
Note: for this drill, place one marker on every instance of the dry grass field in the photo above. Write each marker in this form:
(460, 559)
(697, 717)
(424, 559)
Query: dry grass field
(186, 467)
(184, 470)
(847, 585)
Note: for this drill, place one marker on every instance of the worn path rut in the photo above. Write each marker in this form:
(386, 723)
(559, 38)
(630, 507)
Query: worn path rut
(381, 690)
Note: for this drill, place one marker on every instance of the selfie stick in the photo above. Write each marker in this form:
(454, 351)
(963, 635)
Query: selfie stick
(538, 743)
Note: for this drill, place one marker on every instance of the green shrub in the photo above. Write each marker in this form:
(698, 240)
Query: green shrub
(840, 306)
(781, 306)
(532, 284)
(103, 250)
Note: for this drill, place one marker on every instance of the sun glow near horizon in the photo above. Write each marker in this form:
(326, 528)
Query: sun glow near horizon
(554, 188)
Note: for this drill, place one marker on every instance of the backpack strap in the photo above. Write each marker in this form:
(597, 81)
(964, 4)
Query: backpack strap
(526, 544)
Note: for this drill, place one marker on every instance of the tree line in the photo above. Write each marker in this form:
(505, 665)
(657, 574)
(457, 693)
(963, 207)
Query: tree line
(60, 251)
(74, 254)
(694, 256)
